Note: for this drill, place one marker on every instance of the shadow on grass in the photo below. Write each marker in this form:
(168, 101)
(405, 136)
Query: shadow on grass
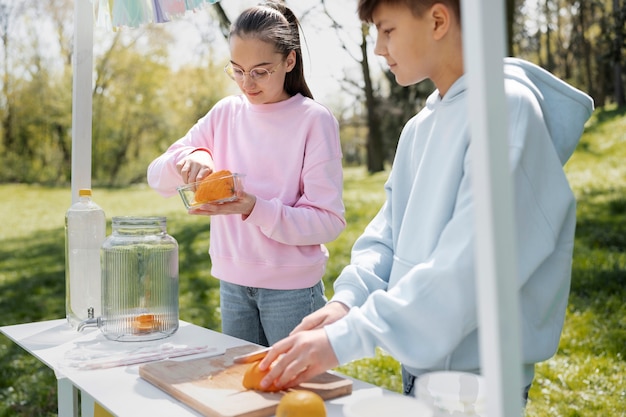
(33, 278)
(32, 288)
(604, 116)
(599, 275)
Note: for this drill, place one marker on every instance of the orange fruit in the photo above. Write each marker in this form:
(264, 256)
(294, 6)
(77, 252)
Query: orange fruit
(253, 376)
(144, 323)
(217, 186)
(301, 403)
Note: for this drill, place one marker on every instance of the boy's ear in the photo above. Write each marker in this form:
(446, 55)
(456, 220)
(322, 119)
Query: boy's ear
(440, 16)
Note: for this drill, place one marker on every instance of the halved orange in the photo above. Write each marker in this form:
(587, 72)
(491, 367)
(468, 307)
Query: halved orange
(217, 186)
(253, 376)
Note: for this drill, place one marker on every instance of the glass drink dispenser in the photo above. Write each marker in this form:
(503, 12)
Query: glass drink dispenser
(139, 263)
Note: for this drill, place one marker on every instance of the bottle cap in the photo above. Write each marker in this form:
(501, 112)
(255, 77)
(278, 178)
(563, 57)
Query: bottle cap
(83, 192)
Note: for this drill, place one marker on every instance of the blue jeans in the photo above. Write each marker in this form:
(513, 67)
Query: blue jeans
(264, 316)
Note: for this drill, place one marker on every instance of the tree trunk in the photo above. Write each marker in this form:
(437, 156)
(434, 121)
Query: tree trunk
(223, 19)
(510, 24)
(538, 40)
(618, 71)
(562, 53)
(586, 49)
(7, 132)
(549, 56)
(375, 149)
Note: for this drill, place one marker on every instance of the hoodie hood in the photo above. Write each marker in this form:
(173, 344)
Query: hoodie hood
(565, 108)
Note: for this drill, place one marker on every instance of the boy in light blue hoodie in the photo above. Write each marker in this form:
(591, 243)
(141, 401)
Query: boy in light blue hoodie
(410, 287)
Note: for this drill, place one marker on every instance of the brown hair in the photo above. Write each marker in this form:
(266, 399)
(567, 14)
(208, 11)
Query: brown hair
(417, 7)
(276, 24)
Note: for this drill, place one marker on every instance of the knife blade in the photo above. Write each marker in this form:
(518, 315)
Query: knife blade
(251, 357)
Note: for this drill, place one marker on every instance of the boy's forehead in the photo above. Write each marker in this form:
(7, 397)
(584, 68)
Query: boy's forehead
(385, 11)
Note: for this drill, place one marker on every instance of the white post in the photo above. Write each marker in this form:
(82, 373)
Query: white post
(87, 405)
(67, 397)
(82, 64)
(496, 264)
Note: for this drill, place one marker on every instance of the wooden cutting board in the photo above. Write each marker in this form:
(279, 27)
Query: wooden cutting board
(212, 386)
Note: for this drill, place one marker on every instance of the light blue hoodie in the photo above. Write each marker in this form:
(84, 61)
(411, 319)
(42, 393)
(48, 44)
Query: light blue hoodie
(411, 281)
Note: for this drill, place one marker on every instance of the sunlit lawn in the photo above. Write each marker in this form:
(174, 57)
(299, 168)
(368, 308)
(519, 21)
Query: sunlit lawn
(587, 376)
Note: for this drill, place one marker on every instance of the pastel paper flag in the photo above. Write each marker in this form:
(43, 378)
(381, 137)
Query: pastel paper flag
(134, 13)
(172, 8)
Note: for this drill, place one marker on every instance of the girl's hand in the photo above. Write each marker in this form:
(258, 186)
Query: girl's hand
(242, 205)
(195, 166)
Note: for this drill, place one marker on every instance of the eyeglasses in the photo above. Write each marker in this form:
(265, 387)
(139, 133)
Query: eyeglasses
(255, 74)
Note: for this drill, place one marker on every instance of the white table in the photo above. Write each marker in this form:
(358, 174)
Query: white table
(120, 390)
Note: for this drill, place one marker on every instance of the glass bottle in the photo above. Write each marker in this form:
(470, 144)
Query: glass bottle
(85, 231)
(139, 280)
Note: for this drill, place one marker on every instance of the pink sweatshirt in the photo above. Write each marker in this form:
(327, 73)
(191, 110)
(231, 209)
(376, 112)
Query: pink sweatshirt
(291, 156)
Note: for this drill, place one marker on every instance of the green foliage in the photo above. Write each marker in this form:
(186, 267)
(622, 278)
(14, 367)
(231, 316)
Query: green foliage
(141, 105)
(363, 196)
(39, 113)
(586, 377)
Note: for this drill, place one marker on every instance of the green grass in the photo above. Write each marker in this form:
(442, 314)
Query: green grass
(586, 377)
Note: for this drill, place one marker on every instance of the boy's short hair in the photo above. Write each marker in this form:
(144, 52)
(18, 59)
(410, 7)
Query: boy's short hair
(417, 7)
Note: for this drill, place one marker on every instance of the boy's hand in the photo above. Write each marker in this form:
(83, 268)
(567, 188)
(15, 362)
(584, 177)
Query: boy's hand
(328, 314)
(298, 358)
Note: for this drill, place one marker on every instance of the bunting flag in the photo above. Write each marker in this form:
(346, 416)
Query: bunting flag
(113, 14)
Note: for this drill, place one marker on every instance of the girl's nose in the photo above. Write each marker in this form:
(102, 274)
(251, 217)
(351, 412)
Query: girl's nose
(247, 81)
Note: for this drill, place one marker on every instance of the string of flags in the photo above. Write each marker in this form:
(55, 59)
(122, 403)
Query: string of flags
(112, 14)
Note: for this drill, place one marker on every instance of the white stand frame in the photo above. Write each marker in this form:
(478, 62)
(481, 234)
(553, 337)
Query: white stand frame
(496, 264)
(82, 87)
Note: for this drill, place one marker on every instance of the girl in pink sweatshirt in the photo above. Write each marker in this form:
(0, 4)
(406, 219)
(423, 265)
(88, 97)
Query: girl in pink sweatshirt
(266, 247)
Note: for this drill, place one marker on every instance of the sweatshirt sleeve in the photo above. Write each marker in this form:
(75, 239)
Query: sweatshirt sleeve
(162, 173)
(317, 216)
(426, 313)
(431, 307)
(371, 260)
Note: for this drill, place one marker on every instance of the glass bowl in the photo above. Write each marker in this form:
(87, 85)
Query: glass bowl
(214, 190)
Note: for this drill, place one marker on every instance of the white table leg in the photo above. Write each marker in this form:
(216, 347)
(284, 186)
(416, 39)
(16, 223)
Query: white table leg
(67, 397)
(86, 405)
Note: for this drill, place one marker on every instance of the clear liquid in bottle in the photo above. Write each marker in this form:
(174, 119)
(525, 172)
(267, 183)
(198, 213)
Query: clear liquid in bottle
(85, 231)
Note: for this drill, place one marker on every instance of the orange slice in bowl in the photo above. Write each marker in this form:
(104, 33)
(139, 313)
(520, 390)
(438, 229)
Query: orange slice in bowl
(219, 185)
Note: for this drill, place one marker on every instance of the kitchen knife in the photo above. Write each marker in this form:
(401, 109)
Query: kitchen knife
(251, 357)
